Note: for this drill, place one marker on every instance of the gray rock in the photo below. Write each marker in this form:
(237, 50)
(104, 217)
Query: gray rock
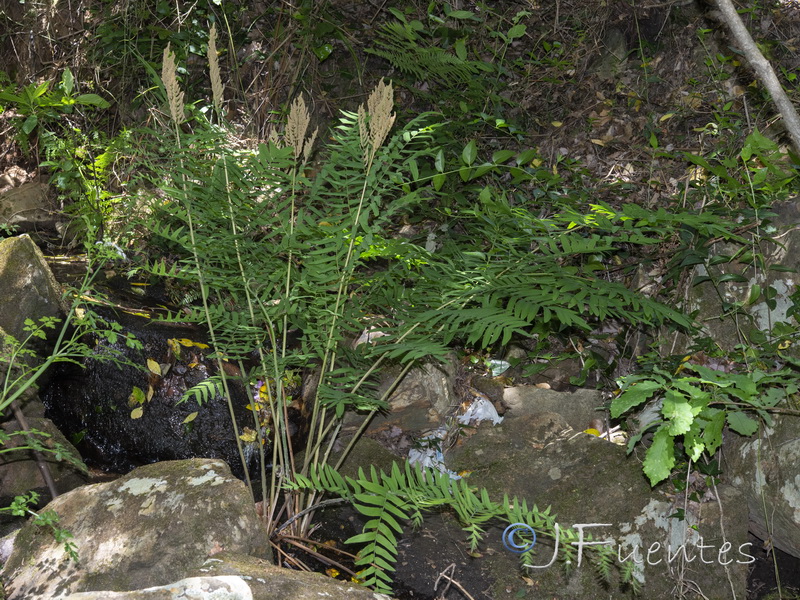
(244, 579)
(578, 408)
(587, 480)
(28, 208)
(149, 528)
(707, 299)
(18, 470)
(29, 290)
(767, 471)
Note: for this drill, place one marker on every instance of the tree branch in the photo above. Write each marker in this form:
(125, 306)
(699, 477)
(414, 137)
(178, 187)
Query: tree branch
(763, 69)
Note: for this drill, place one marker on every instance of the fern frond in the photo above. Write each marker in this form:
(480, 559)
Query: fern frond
(173, 90)
(204, 391)
(399, 44)
(213, 68)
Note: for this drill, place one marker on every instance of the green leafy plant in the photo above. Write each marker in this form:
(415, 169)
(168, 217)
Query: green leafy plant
(692, 406)
(21, 368)
(39, 106)
(292, 265)
(21, 507)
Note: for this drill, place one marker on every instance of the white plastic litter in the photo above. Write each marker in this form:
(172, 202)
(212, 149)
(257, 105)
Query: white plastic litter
(480, 410)
(431, 454)
(498, 367)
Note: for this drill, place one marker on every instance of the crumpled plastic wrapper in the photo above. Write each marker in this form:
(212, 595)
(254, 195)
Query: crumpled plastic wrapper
(480, 410)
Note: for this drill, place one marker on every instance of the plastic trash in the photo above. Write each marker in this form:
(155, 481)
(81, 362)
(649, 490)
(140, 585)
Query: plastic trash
(498, 367)
(430, 455)
(480, 410)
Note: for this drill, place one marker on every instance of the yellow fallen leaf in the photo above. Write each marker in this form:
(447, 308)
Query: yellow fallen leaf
(175, 347)
(190, 417)
(188, 343)
(150, 392)
(136, 413)
(248, 436)
(597, 141)
(154, 367)
(556, 123)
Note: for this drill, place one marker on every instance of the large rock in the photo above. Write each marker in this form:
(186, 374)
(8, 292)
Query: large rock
(230, 576)
(587, 480)
(28, 207)
(152, 527)
(767, 470)
(19, 472)
(713, 300)
(29, 290)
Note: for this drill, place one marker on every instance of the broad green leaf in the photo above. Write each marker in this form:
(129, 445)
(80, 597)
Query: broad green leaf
(470, 153)
(461, 49)
(516, 31)
(438, 162)
(732, 277)
(693, 444)
(712, 434)
(633, 396)
(660, 457)
(67, 82)
(438, 181)
(678, 411)
(30, 124)
(741, 423)
(755, 292)
(92, 100)
(323, 51)
(524, 158)
(502, 156)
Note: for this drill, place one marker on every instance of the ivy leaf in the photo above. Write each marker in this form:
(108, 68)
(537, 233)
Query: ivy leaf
(660, 456)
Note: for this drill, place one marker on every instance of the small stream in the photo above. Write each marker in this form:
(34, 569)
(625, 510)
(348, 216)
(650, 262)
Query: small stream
(124, 415)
